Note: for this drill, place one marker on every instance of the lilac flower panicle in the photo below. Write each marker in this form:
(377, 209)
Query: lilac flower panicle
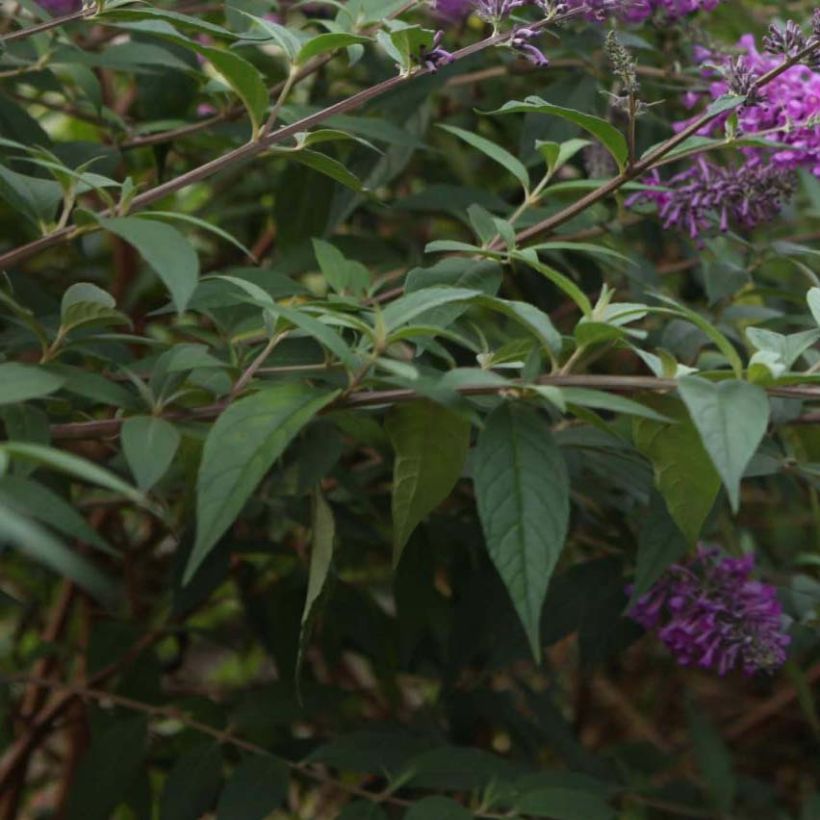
(692, 200)
(711, 613)
(785, 110)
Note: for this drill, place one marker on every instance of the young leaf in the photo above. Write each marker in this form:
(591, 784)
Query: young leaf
(495, 152)
(22, 382)
(165, 249)
(149, 445)
(430, 443)
(258, 785)
(684, 474)
(522, 489)
(731, 417)
(342, 274)
(86, 304)
(240, 448)
(323, 538)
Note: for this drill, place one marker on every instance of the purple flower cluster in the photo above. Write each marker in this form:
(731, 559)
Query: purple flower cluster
(58, 8)
(637, 11)
(786, 110)
(711, 613)
(495, 12)
(745, 196)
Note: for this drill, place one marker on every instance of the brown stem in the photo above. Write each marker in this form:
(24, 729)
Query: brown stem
(22, 33)
(375, 398)
(253, 149)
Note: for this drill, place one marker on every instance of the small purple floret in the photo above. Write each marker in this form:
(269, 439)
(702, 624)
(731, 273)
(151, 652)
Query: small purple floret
(711, 613)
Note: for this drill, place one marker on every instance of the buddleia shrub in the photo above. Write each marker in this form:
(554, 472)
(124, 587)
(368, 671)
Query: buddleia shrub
(407, 409)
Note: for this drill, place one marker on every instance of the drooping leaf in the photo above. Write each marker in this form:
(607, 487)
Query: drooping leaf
(241, 447)
(149, 444)
(713, 759)
(323, 537)
(165, 249)
(430, 444)
(684, 473)
(731, 417)
(522, 489)
(611, 138)
(495, 152)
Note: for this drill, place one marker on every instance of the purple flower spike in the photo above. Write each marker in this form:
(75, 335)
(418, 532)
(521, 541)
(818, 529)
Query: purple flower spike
(520, 41)
(746, 195)
(710, 613)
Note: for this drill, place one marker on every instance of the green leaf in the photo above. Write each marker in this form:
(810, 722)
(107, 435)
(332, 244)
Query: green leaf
(240, 448)
(108, 768)
(407, 307)
(165, 249)
(193, 784)
(22, 382)
(564, 283)
(722, 343)
(612, 139)
(343, 275)
(684, 474)
(258, 785)
(330, 41)
(85, 304)
(495, 152)
(560, 803)
(362, 810)
(430, 443)
(244, 78)
(328, 166)
(149, 445)
(660, 543)
(40, 545)
(813, 301)
(531, 317)
(37, 501)
(713, 759)
(437, 808)
(731, 417)
(72, 465)
(522, 489)
(600, 400)
(323, 538)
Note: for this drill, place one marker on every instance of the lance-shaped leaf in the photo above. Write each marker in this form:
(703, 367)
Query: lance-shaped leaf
(522, 489)
(149, 445)
(684, 474)
(431, 445)
(241, 447)
(611, 138)
(731, 417)
(165, 249)
(21, 382)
